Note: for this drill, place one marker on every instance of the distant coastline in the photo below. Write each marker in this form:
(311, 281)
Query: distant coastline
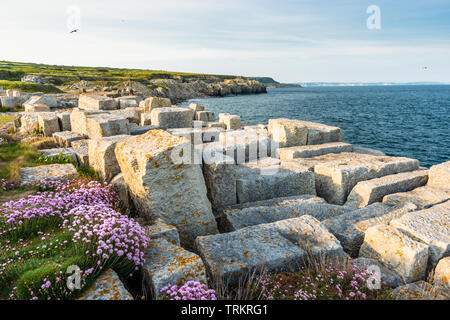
(366, 84)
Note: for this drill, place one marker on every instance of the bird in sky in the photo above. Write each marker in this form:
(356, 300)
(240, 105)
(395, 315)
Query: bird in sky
(73, 31)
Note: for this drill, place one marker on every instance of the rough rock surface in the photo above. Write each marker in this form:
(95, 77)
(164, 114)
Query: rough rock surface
(65, 138)
(387, 276)
(106, 125)
(173, 117)
(166, 263)
(288, 132)
(319, 133)
(313, 150)
(440, 175)
(53, 153)
(159, 229)
(164, 185)
(92, 102)
(419, 290)
(422, 197)
(370, 191)
(107, 287)
(395, 250)
(272, 247)
(442, 275)
(64, 121)
(152, 103)
(48, 123)
(52, 171)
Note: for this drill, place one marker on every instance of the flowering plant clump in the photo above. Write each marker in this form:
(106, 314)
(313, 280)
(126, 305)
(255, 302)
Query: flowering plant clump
(65, 224)
(191, 290)
(5, 185)
(329, 282)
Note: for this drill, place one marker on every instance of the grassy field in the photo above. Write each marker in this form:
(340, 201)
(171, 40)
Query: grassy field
(65, 75)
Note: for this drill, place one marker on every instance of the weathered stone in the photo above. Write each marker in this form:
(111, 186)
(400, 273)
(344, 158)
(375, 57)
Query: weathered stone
(370, 191)
(145, 119)
(272, 247)
(395, 250)
(102, 156)
(216, 125)
(313, 150)
(128, 102)
(441, 277)
(166, 263)
(205, 116)
(92, 102)
(430, 226)
(337, 174)
(350, 227)
(172, 117)
(288, 132)
(220, 179)
(265, 179)
(230, 121)
(36, 108)
(82, 154)
(232, 220)
(10, 102)
(53, 153)
(49, 101)
(48, 123)
(440, 175)
(196, 107)
(29, 123)
(388, 277)
(136, 131)
(198, 135)
(123, 191)
(159, 229)
(107, 287)
(319, 133)
(131, 114)
(423, 197)
(152, 103)
(66, 138)
(104, 125)
(62, 172)
(373, 152)
(80, 143)
(419, 290)
(164, 185)
(64, 121)
(78, 119)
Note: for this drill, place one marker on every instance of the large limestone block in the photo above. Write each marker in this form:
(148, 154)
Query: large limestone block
(82, 154)
(423, 197)
(363, 150)
(136, 131)
(64, 121)
(232, 220)
(123, 191)
(196, 107)
(10, 102)
(351, 227)
(441, 277)
(440, 175)
(106, 126)
(419, 290)
(36, 108)
(288, 132)
(198, 135)
(78, 119)
(158, 229)
(370, 191)
(172, 117)
(337, 174)
(145, 119)
(128, 102)
(29, 123)
(205, 116)
(313, 150)
(53, 153)
(92, 102)
(102, 156)
(430, 226)
(46, 100)
(166, 263)
(397, 251)
(131, 114)
(48, 123)
(152, 103)
(65, 138)
(272, 247)
(230, 121)
(61, 172)
(387, 277)
(319, 133)
(107, 287)
(164, 185)
(220, 179)
(261, 180)
(80, 143)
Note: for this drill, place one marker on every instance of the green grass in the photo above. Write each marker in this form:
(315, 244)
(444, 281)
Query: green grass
(28, 87)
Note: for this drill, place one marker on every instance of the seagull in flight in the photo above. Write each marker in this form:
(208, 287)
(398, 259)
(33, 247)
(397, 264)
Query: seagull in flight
(73, 31)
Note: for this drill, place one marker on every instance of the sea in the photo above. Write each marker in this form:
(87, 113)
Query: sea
(405, 120)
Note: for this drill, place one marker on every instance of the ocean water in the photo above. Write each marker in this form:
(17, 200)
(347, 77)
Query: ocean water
(410, 121)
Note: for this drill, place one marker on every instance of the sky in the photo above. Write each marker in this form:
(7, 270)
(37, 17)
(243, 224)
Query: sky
(291, 41)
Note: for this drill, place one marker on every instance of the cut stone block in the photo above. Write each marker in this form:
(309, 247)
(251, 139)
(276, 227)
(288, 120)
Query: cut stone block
(198, 135)
(53, 153)
(216, 125)
(61, 172)
(128, 102)
(154, 103)
(145, 119)
(106, 126)
(337, 174)
(440, 175)
(233, 220)
(29, 123)
(10, 102)
(370, 191)
(288, 132)
(395, 250)
(82, 154)
(123, 191)
(196, 107)
(363, 150)
(442, 275)
(388, 277)
(319, 133)
(164, 185)
(230, 121)
(102, 156)
(66, 138)
(78, 119)
(313, 150)
(261, 180)
(80, 143)
(220, 179)
(166, 264)
(351, 227)
(205, 116)
(423, 197)
(64, 121)
(36, 108)
(107, 287)
(48, 123)
(419, 290)
(136, 131)
(430, 226)
(92, 102)
(172, 117)
(270, 247)
(159, 229)
(131, 114)
(46, 100)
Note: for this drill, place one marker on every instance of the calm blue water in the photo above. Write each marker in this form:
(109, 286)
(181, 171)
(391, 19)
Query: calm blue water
(411, 121)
